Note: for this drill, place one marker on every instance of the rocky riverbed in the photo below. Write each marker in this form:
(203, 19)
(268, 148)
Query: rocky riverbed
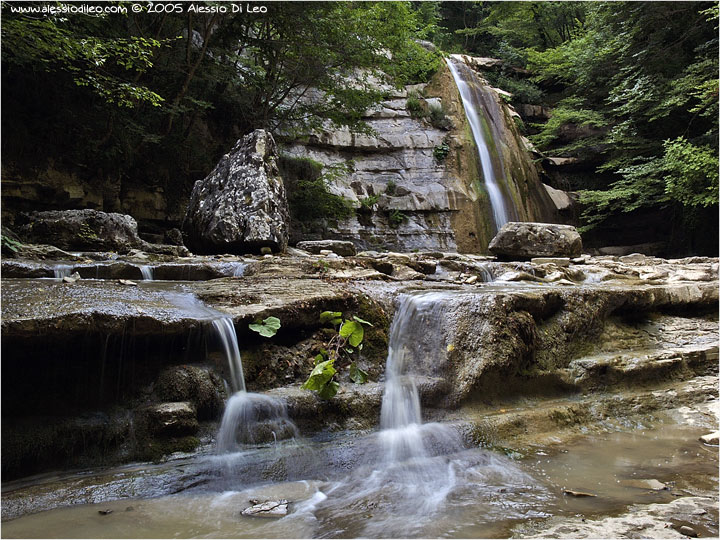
(533, 356)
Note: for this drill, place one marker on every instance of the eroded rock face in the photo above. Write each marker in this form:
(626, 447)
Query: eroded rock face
(83, 230)
(240, 206)
(520, 241)
(339, 247)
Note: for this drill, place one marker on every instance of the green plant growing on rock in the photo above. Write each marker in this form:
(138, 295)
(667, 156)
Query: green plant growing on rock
(266, 328)
(10, 244)
(367, 203)
(391, 187)
(347, 340)
(439, 118)
(441, 151)
(414, 105)
(396, 217)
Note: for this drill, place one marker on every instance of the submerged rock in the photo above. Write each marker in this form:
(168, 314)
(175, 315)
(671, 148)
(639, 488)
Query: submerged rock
(240, 206)
(520, 241)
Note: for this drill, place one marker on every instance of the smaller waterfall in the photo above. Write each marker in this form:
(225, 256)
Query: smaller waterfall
(62, 270)
(470, 92)
(225, 330)
(414, 339)
(249, 418)
(147, 272)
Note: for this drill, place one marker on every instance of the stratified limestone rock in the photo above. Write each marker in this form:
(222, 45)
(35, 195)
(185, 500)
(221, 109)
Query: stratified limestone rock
(343, 248)
(83, 230)
(520, 241)
(240, 206)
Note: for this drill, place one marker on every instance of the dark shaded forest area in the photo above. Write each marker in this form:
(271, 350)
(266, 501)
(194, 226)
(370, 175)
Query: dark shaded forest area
(152, 100)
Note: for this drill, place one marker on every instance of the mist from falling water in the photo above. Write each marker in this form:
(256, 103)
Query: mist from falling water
(415, 475)
(467, 84)
(62, 270)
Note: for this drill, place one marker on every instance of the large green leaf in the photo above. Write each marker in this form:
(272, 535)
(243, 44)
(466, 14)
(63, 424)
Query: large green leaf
(357, 375)
(320, 376)
(353, 332)
(268, 328)
(329, 390)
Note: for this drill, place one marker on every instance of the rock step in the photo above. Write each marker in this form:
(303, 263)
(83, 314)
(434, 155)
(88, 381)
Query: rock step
(547, 420)
(640, 367)
(355, 406)
(176, 271)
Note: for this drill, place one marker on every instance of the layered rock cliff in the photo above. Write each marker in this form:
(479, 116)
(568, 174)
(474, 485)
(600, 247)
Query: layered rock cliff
(416, 181)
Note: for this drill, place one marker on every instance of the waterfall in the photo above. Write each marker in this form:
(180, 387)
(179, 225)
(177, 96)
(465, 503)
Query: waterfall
(415, 343)
(147, 272)
(62, 270)
(471, 92)
(249, 418)
(225, 330)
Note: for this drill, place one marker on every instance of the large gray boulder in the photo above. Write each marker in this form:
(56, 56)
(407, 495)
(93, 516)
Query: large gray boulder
(78, 230)
(521, 241)
(240, 206)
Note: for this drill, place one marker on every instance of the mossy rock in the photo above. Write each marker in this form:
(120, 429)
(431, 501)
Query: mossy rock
(198, 385)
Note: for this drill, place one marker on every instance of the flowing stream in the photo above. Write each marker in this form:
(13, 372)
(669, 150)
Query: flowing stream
(471, 93)
(409, 479)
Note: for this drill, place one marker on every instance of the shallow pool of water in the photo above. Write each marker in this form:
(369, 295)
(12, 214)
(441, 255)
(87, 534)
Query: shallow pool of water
(342, 488)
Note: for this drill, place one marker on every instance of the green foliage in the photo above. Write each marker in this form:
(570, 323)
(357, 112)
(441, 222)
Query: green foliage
(332, 317)
(648, 78)
(10, 244)
(99, 63)
(439, 118)
(348, 337)
(306, 183)
(522, 90)
(321, 378)
(391, 187)
(267, 328)
(441, 151)
(357, 375)
(368, 202)
(414, 105)
(567, 113)
(691, 173)
(396, 218)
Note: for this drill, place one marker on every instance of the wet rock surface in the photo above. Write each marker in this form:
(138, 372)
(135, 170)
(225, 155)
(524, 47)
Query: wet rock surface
(240, 207)
(339, 247)
(641, 521)
(606, 324)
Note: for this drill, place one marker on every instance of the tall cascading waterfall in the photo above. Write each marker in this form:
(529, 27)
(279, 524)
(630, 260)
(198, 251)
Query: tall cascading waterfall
(471, 91)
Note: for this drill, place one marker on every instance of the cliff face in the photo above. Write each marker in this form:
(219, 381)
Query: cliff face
(416, 182)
